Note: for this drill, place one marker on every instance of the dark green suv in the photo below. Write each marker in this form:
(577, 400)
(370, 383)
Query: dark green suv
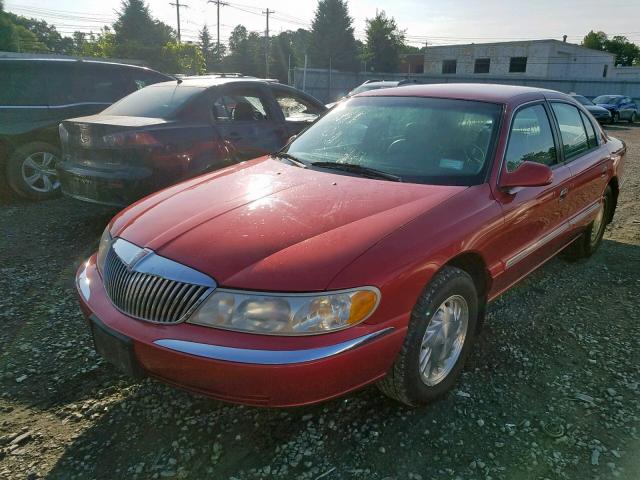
(36, 95)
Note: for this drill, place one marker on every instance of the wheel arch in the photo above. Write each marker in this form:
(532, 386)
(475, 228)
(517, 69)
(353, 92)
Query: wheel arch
(474, 264)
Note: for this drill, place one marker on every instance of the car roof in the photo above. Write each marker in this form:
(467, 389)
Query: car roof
(485, 92)
(78, 60)
(212, 81)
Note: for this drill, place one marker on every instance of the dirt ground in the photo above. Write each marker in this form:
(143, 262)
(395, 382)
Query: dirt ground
(551, 391)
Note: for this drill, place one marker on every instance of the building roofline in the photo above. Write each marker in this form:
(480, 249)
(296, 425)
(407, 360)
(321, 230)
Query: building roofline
(543, 40)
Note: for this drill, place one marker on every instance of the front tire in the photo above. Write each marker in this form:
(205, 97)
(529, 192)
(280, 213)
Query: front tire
(633, 118)
(615, 118)
(31, 171)
(441, 332)
(589, 241)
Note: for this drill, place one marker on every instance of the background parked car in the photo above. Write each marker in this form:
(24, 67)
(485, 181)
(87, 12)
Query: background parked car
(176, 130)
(621, 107)
(599, 113)
(376, 85)
(36, 95)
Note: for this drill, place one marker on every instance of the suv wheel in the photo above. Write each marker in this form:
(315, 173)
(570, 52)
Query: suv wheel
(441, 331)
(31, 171)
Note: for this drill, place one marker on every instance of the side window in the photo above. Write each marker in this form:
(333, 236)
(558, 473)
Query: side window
(574, 137)
(592, 138)
(240, 106)
(530, 139)
(97, 83)
(295, 108)
(21, 84)
(143, 78)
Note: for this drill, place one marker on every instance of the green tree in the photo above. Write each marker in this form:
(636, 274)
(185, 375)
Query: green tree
(138, 35)
(384, 43)
(595, 40)
(183, 57)
(332, 40)
(206, 47)
(626, 52)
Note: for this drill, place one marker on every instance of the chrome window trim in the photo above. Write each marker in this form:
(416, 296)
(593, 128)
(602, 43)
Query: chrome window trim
(266, 357)
(548, 237)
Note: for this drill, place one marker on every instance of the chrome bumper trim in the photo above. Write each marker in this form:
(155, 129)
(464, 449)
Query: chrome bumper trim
(266, 357)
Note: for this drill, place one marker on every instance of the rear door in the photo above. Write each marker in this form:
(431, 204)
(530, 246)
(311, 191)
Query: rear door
(535, 217)
(298, 109)
(587, 158)
(245, 117)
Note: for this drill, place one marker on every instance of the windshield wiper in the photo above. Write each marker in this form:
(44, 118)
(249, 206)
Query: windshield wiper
(358, 169)
(292, 158)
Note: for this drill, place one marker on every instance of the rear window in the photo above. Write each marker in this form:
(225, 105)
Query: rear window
(162, 101)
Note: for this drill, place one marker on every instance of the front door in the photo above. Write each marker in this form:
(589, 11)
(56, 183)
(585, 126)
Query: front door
(535, 218)
(245, 117)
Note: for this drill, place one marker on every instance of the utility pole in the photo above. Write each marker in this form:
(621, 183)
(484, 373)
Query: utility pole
(267, 12)
(219, 4)
(178, 7)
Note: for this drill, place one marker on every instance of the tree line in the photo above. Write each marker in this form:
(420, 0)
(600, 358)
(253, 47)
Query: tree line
(330, 42)
(137, 35)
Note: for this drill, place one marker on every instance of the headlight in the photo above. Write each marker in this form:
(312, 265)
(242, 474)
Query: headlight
(287, 314)
(103, 248)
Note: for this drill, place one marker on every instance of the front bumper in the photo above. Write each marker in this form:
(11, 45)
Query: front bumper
(245, 368)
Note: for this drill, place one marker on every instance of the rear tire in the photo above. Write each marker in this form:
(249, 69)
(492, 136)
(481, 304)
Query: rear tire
(589, 241)
(438, 340)
(31, 171)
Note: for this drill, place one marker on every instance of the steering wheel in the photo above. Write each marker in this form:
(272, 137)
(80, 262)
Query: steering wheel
(397, 147)
(475, 155)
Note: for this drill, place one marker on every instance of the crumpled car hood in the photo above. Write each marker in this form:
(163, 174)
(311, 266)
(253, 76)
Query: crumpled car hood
(266, 225)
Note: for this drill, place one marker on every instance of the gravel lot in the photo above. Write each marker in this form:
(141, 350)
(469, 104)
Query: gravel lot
(551, 391)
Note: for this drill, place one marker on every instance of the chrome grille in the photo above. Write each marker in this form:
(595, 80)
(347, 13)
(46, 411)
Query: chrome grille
(147, 296)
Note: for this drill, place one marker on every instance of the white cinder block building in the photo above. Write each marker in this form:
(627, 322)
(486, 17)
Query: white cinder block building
(539, 59)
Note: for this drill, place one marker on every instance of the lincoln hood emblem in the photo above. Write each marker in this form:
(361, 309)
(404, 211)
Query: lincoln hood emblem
(137, 259)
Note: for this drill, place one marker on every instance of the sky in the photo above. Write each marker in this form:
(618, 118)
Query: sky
(436, 22)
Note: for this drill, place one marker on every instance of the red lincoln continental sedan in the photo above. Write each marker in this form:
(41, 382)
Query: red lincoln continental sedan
(365, 251)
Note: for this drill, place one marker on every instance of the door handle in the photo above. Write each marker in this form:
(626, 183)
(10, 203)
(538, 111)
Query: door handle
(563, 193)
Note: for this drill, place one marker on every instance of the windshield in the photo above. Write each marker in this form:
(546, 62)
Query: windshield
(420, 140)
(607, 99)
(155, 102)
(583, 100)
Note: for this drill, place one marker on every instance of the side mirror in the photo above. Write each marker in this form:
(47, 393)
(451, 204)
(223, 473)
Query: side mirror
(528, 174)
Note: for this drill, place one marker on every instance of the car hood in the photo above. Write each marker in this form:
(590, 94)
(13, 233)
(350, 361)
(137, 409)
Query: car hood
(267, 225)
(596, 109)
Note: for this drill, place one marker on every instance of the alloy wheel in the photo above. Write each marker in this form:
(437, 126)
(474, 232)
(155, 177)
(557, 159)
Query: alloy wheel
(443, 340)
(39, 173)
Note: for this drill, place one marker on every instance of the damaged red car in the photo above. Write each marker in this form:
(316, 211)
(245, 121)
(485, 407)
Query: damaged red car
(364, 252)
